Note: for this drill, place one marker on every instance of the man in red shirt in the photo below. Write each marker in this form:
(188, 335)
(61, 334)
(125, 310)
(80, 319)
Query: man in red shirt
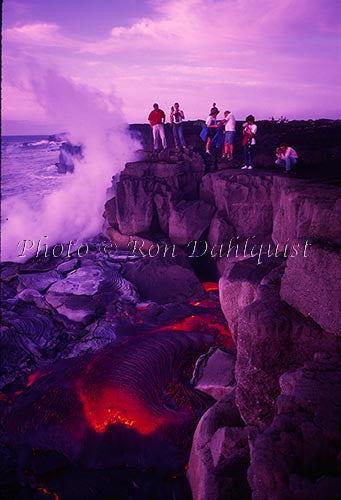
(157, 119)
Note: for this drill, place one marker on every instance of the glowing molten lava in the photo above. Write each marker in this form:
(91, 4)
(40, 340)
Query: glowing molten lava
(210, 286)
(35, 376)
(48, 492)
(205, 303)
(205, 323)
(113, 406)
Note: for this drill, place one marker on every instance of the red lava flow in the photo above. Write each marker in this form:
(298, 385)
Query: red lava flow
(205, 323)
(48, 492)
(114, 406)
(35, 376)
(210, 286)
(205, 303)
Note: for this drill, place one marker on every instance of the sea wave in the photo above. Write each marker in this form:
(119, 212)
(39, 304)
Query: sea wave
(41, 143)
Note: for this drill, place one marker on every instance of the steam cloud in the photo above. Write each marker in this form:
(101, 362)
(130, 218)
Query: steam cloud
(73, 212)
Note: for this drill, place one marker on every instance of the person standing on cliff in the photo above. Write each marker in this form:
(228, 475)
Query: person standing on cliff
(286, 156)
(157, 119)
(212, 125)
(230, 132)
(249, 141)
(176, 118)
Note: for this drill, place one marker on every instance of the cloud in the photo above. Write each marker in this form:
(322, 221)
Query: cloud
(40, 34)
(263, 56)
(201, 25)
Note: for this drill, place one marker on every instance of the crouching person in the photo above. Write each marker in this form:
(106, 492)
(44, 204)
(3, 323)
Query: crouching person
(286, 157)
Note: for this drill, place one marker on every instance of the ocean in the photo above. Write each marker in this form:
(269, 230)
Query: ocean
(38, 201)
(28, 167)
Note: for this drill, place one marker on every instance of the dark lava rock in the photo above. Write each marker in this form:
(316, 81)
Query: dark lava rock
(29, 336)
(68, 266)
(189, 220)
(239, 283)
(100, 333)
(85, 292)
(317, 142)
(312, 285)
(298, 455)
(160, 281)
(272, 338)
(38, 281)
(220, 455)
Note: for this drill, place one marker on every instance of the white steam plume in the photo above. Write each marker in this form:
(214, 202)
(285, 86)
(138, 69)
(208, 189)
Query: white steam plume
(73, 212)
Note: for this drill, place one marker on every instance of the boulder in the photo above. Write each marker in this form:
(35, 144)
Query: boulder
(146, 187)
(217, 471)
(238, 285)
(214, 372)
(162, 201)
(224, 164)
(128, 242)
(162, 281)
(206, 189)
(297, 456)
(134, 204)
(220, 231)
(189, 220)
(312, 285)
(272, 338)
(110, 212)
(306, 211)
(229, 444)
(245, 201)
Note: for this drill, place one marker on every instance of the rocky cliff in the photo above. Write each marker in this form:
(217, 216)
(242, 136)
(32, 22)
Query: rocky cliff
(274, 242)
(202, 337)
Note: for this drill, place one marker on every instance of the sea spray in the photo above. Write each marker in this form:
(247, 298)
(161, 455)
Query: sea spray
(74, 211)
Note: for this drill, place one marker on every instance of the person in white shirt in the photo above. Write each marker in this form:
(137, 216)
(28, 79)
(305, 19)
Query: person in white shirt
(286, 156)
(249, 141)
(230, 132)
(176, 118)
(212, 125)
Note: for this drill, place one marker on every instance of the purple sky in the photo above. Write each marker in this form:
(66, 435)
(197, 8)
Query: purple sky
(250, 56)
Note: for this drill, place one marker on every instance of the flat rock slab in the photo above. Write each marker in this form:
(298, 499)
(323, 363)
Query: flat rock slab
(86, 292)
(79, 308)
(84, 281)
(38, 281)
(214, 373)
(68, 266)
